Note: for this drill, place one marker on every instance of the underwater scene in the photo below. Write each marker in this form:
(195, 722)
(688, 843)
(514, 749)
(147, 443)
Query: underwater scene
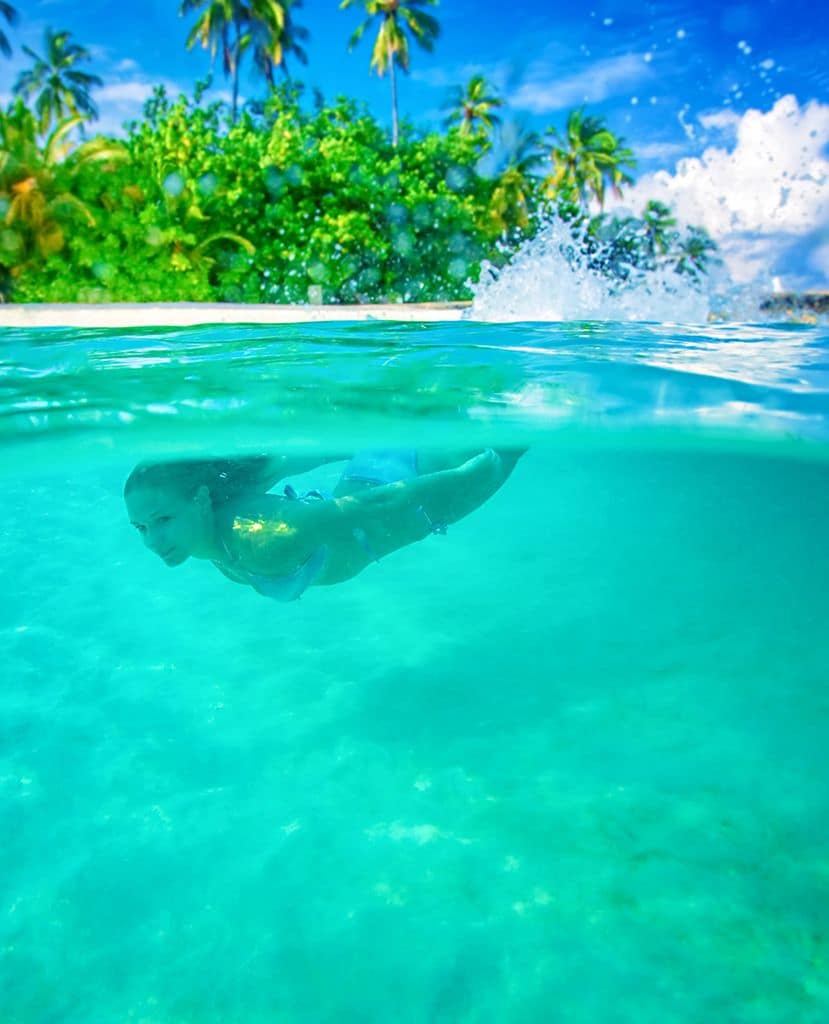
(556, 754)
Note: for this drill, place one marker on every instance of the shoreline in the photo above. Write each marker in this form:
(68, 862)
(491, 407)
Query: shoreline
(797, 302)
(193, 314)
(126, 315)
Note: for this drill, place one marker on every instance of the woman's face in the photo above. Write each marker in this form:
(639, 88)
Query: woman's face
(172, 526)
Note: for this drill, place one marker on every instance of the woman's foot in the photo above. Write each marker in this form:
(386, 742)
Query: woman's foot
(509, 458)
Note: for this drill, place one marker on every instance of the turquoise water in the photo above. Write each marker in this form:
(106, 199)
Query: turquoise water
(567, 763)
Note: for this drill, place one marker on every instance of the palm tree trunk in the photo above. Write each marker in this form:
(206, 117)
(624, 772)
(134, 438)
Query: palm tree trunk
(237, 57)
(394, 126)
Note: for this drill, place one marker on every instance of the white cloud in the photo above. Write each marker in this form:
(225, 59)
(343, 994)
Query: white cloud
(765, 198)
(544, 89)
(657, 150)
(721, 120)
(442, 77)
(123, 93)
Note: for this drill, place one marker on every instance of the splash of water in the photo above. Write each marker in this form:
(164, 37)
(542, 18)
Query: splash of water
(549, 279)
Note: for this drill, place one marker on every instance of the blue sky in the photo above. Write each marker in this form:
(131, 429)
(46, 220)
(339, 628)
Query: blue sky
(676, 78)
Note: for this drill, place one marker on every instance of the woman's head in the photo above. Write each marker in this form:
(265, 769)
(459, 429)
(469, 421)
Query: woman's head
(170, 507)
(171, 504)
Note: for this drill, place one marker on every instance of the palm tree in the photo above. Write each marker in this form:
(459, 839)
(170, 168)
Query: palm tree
(276, 36)
(474, 103)
(391, 47)
(234, 25)
(659, 224)
(588, 157)
(10, 14)
(62, 90)
(511, 200)
(694, 252)
(37, 181)
(213, 30)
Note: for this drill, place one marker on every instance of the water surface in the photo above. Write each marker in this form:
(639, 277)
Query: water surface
(567, 762)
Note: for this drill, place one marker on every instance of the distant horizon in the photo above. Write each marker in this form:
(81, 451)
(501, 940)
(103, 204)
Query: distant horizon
(725, 107)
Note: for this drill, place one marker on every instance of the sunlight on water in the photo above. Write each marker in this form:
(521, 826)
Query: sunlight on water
(569, 755)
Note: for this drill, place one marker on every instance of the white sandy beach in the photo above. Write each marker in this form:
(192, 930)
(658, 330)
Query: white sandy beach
(186, 314)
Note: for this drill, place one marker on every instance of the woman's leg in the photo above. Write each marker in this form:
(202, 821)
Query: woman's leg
(375, 468)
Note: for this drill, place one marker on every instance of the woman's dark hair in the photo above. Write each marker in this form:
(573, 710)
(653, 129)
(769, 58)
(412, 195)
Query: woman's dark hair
(224, 478)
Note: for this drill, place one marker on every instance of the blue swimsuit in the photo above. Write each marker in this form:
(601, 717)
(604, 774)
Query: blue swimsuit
(292, 586)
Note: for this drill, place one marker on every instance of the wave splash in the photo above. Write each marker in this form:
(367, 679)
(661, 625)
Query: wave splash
(550, 279)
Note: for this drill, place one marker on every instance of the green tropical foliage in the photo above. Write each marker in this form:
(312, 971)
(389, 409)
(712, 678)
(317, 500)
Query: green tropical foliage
(473, 107)
(40, 198)
(587, 157)
(290, 207)
(391, 47)
(59, 88)
(9, 15)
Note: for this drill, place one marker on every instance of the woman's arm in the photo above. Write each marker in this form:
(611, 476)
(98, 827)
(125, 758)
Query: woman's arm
(397, 514)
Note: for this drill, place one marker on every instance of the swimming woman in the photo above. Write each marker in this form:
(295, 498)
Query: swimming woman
(281, 544)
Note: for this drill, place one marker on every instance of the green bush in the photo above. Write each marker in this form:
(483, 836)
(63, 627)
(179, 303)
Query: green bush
(283, 207)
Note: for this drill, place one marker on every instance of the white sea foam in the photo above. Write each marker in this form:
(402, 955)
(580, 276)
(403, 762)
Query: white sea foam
(548, 279)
